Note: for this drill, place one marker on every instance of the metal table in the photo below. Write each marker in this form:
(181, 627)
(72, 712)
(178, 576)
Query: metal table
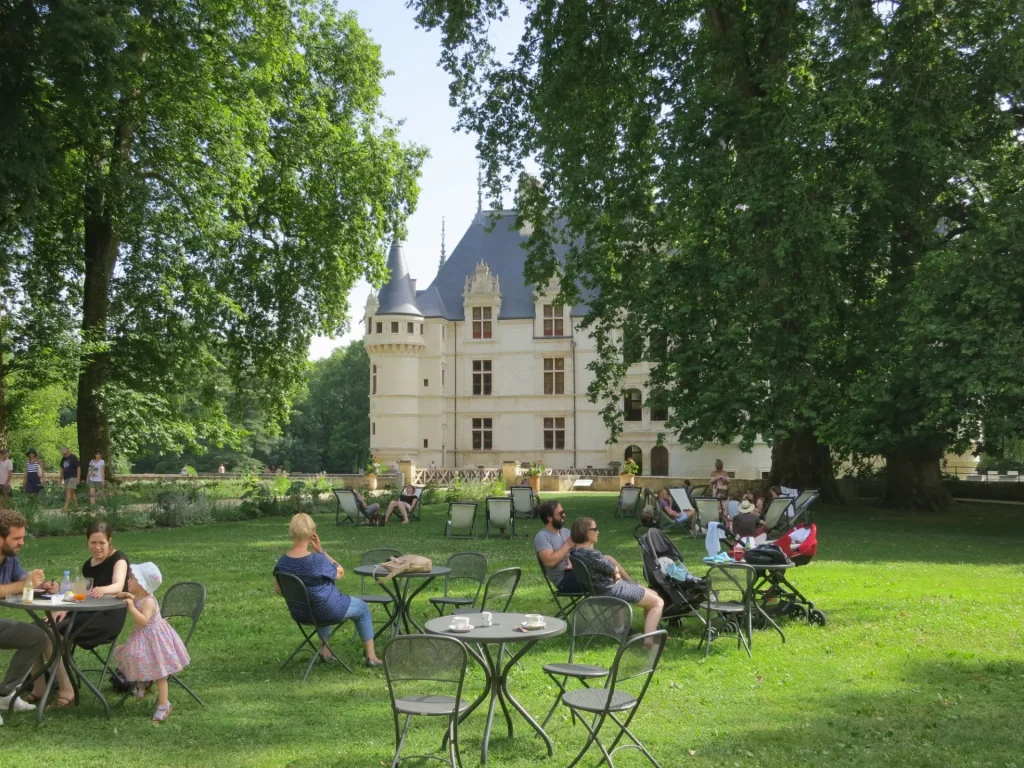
(401, 590)
(503, 630)
(42, 612)
(766, 577)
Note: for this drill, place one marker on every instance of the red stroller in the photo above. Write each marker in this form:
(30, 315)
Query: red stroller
(779, 591)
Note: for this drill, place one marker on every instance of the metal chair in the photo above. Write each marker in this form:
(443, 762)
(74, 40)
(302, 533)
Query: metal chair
(347, 507)
(731, 598)
(499, 515)
(628, 500)
(382, 598)
(571, 598)
(103, 659)
(186, 600)
(500, 589)
(461, 514)
(439, 661)
(524, 503)
(634, 667)
(583, 577)
(594, 617)
(467, 567)
(295, 593)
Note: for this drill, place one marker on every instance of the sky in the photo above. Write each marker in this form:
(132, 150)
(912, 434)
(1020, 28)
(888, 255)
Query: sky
(417, 93)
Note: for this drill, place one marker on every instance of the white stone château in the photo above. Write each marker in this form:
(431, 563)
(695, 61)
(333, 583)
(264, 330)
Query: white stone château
(478, 369)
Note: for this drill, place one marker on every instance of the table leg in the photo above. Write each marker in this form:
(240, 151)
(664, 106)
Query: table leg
(407, 601)
(503, 687)
(390, 623)
(56, 643)
(72, 668)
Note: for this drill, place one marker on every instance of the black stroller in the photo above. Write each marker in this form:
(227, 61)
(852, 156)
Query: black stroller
(682, 598)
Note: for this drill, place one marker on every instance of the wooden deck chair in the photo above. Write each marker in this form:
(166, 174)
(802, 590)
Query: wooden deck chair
(629, 499)
(461, 516)
(499, 515)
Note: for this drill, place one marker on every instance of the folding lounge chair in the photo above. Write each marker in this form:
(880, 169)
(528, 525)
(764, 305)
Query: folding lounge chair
(348, 508)
(629, 499)
(682, 500)
(776, 516)
(707, 512)
(802, 506)
(565, 601)
(461, 516)
(524, 503)
(499, 515)
(414, 511)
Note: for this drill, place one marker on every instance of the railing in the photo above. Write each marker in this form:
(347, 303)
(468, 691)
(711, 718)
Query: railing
(446, 476)
(972, 475)
(584, 472)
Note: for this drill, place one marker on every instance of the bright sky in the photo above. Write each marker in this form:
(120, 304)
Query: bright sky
(417, 93)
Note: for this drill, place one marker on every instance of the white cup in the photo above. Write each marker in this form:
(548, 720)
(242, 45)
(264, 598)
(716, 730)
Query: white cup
(486, 619)
(56, 598)
(460, 622)
(534, 619)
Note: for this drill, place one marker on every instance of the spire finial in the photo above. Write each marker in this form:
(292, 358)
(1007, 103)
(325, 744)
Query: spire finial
(442, 243)
(479, 186)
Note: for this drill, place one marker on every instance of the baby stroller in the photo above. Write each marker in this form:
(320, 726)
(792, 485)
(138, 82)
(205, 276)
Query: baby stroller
(682, 598)
(779, 592)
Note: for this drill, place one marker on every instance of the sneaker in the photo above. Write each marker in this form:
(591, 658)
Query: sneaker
(20, 705)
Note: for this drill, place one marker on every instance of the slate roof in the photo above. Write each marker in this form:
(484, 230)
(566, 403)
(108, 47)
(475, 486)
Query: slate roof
(501, 248)
(398, 297)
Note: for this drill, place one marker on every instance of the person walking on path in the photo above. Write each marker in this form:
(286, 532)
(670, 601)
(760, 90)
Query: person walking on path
(97, 476)
(6, 472)
(70, 473)
(35, 474)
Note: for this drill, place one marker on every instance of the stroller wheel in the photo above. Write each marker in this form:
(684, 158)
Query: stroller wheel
(816, 617)
(759, 621)
(797, 611)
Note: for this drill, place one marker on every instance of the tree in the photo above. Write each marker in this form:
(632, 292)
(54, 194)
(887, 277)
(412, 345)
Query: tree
(221, 175)
(764, 184)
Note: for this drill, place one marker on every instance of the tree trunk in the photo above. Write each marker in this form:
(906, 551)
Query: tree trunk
(3, 390)
(800, 461)
(100, 257)
(913, 480)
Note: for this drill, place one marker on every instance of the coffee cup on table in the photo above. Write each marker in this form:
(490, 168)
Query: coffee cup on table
(460, 622)
(486, 619)
(534, 619)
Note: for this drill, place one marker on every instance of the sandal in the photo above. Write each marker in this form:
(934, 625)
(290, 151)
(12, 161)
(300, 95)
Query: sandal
(142, 689)
(161, 713)
(32, 698)
(61, 702)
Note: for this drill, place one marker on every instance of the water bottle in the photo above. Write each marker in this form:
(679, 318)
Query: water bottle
(65, 583)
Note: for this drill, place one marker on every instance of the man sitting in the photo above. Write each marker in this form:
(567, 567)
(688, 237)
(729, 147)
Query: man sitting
(28, 640)
(553, 545)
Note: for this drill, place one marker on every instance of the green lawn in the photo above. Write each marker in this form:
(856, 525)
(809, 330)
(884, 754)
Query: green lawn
(920, 663)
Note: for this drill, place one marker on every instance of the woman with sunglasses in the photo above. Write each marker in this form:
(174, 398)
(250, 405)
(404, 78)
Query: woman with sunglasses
(610, 578)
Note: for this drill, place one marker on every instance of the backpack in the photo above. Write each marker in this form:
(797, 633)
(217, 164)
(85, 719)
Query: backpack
(765, 554)
(404, 564)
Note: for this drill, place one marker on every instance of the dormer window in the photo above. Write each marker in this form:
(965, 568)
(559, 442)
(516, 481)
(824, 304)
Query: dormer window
(380, 327)
(481, 322)
(394, 327)
(554, 323)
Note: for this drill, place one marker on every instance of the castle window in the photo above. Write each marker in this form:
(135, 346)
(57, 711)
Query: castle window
(481, 377)
(380, 327)
(659, 411)
(408, 328)
(421, 329)
(482, 434)
(554, 434)
(394, 327)
(553, 321)
(373, 381)
(442, 331)
(426, 382)
(425, 443)
(633, 405)
(554, 375)
(442, 377)
(369, 326)
(373, 428)
(481, 322)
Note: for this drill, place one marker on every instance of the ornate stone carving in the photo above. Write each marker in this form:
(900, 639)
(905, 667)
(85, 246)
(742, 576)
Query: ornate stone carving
(482, 281)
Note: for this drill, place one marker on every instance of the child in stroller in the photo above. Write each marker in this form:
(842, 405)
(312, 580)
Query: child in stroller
(665, 573)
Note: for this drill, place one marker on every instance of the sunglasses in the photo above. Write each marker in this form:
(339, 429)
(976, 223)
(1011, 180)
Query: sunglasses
(593, 529)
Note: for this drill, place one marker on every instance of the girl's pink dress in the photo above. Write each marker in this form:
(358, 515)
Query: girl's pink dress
(153, 651)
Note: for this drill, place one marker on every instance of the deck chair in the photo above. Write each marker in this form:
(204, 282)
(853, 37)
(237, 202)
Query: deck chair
(414, 512)
(467, 575)
(461, 516)
(776, 517)
(294, 591)
(500, 589)
(623, 693)
(629, 499)
(802, 506)
(499, 515)
(184, 600)
(524, 503)
(698, 491)
(682, 500)
(348, 508)
(376, 596)
(565, 601)
(707, 512)
(583, 577)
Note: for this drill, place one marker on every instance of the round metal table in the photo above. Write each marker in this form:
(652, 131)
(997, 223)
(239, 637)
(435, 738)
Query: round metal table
(504, 629)
(401, 591)
(42, 612)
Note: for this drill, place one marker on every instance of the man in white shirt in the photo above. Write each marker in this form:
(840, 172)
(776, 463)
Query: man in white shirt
(6, 471)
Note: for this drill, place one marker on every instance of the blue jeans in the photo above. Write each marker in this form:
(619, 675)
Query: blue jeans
(359, 613)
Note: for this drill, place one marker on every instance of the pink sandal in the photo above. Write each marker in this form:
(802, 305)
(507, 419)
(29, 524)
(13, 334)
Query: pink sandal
(161, 713)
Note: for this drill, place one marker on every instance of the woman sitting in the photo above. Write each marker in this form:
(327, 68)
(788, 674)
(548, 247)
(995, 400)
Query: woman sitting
(318, 571)
(671, 508)
(405, 504)
(610, 578)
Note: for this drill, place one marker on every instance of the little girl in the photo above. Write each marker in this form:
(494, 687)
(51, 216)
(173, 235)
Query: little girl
(154, 649)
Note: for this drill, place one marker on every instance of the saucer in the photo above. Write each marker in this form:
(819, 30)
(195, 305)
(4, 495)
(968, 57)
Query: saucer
(542, 625)
(453, 628)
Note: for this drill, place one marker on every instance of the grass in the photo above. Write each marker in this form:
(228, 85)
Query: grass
(920, 663)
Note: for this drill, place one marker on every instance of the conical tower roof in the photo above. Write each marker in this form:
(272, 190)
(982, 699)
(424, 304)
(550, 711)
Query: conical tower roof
(398, 296)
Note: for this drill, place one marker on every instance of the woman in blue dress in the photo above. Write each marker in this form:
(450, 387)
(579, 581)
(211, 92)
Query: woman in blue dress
(318, 571)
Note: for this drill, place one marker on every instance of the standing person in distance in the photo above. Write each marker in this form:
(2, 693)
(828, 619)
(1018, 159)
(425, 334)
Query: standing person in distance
(97, 476)
(70, 473)
(35, 474)
(719, 482)
(6, 472)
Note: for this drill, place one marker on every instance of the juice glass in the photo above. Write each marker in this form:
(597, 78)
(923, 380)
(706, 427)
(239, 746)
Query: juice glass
(81, 588)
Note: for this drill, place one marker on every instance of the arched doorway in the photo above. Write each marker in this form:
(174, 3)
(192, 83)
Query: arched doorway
(659, 461)
(634, 453)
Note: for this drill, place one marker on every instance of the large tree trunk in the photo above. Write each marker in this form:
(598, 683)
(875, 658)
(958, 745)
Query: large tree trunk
(100, 257)
(3, 389)
(913, 479)
(800, 461)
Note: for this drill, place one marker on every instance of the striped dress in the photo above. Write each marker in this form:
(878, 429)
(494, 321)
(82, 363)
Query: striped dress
(33, 484)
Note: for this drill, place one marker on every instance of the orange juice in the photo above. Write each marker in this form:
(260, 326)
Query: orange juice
(79, 597)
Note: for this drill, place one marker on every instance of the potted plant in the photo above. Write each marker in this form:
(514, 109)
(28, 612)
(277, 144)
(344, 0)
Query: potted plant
(533, 473)
(627, 472)
(370, 471)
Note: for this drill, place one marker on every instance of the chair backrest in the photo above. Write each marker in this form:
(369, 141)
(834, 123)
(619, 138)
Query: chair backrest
(466, 567)
(347, 502)
(681, 498)
(635, 665)
(461, 514)
(731, 583)
(776, 509)
(373, 557)
(500, 589)
(604, 616)
(698, 490)
(186, 599)
(707, 511)
(294, 592)
(805, 498)
(628, 498)
(436, 659)
(417, 491)
(499, 511)
(582, 575)
(522, 500)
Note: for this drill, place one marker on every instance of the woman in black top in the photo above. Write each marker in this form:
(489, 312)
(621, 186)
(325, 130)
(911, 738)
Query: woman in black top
(108, 570)
(404, 504)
